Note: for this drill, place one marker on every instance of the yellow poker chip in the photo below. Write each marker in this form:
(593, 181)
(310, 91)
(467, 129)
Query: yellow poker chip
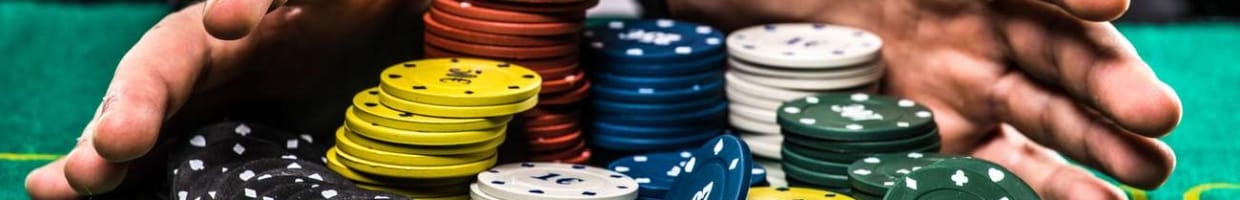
(460, 82)
(421, 193)
(446, 171)
(457, 111)
(334, 164)
(366, 142)
(366, 106)
(789, 193)
(348, 147)
(421, 138)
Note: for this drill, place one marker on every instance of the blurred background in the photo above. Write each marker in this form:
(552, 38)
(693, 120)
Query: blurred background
(57, 56)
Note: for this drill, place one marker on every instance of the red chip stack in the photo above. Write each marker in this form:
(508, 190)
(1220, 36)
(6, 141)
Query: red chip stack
(542, 35)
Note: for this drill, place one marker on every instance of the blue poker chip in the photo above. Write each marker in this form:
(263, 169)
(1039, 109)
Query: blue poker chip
(654, 172)
(720, 169)
(645, 144)
(716, 112)
(652, 41)
(757, 175)
(643, 131)
(620, 93)
(656, 81)
(662, 69)
(623, 107)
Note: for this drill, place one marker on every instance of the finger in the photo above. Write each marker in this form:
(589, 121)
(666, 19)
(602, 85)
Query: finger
(1045, 172)
(151, 82)
(1093, 10)
(1095, 65)
(48, 182)
(233, 19)
(89, 174)
(1058, 122)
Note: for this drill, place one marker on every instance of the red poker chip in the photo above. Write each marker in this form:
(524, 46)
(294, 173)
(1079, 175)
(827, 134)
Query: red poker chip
(495, 39)
(467, 9)
(550, 110)
(568, 97)
(507, 28)
(544, 144)
(535, 132)
(549, 119)
(547, 6)
(505, 52)
(580, 159)
(560, 154)
(548, 68)
(563, 84)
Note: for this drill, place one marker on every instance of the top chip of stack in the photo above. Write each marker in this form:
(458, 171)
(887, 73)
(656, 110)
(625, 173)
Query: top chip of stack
(658, 85)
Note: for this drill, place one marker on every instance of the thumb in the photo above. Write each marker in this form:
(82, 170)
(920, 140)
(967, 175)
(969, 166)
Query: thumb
(234, 19)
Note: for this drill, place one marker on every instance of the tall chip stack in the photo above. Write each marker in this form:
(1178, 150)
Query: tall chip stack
(431, 125)
(773, 63)
(658, 86)
(542, 35)
(826, 133)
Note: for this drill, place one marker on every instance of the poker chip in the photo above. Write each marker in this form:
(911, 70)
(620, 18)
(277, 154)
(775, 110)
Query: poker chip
(793, 158)
(564, 84)
(645, 94)
(551, 118)
(568, 153)
(782, 193)
(555, 142)
(552, 181)
(608, 128)
(507, 28)
(658, 81)
(804, 45)
(753, 113)
(421, 150)
(754, 100)
(439, 29)
(664, 68)
(814, 178)
(477, 194)
(565, 6)
(566, 98)
(765, 146)
(716, 111)
(778, 71)
(913, 142)
(852, 117)
(549, 67)
(446, 82)
(466, 8)
(623, 107)
(875, 175)
(645, 144)
(551, 130)
(813, 84)
(366, 107)
(656, 172)
(393, 135)
(749, 125)
(501, 51)
(402, 171)
(346, 146)
(335, 165)
(458, 111)
(721, 169)
(647, 41)
(960, 178)
(767, 92)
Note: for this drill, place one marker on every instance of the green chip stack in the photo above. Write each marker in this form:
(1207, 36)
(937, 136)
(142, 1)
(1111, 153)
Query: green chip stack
(823, 134)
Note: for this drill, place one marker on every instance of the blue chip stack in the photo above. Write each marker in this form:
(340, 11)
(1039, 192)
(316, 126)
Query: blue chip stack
(658, 85)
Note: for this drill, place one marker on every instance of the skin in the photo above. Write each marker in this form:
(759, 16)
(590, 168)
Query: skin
(1023, 83)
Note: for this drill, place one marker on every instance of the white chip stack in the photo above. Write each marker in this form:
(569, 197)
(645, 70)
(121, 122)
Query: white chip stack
(773, 63)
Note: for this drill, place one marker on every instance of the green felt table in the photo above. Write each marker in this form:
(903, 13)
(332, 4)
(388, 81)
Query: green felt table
(56, 60)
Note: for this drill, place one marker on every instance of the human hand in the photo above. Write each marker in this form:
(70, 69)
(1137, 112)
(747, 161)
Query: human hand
(237, 59)
(1017, 82)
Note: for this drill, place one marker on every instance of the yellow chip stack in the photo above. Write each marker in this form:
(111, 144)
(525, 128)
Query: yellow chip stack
(431, 125)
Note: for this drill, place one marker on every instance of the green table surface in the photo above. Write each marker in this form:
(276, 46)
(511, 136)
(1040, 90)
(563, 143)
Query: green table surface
(56, 60)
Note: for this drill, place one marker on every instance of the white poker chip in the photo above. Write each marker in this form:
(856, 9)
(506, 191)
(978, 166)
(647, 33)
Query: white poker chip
(756, 114)
(766, 91)
(813, 84)
(555, 181)
(774, 173)
(477, 194)
(831, 73)
(764, 146)
(753, 126)
(737, 96)
(804, 45)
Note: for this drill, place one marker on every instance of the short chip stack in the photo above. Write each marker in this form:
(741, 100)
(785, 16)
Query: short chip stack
(539, 34)
(658, 85)
(552, 181)
(929, 176)
(823, 134)
(431, 125)
(773, 63)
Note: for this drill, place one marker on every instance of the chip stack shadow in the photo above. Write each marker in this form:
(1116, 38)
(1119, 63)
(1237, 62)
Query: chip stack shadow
(542, 35)
(431, 125)
(658, 86)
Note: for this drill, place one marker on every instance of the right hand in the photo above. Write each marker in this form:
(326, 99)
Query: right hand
(227, 59)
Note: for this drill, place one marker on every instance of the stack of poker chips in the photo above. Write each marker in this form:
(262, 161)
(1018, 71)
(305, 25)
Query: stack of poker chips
(773, 63)
(823, 134)
(658, 85)
(912, 175)
(539, 34)
(431, 125)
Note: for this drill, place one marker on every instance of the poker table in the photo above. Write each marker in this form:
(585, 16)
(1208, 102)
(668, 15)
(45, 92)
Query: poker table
(56, 60)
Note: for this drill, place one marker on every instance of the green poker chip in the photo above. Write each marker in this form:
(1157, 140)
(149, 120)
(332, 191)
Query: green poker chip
(865, 196)
(963, 179)
(795, 158)
(825, 154)
(877, 174)
(815, 178)
(855, 117)
(913, 142)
